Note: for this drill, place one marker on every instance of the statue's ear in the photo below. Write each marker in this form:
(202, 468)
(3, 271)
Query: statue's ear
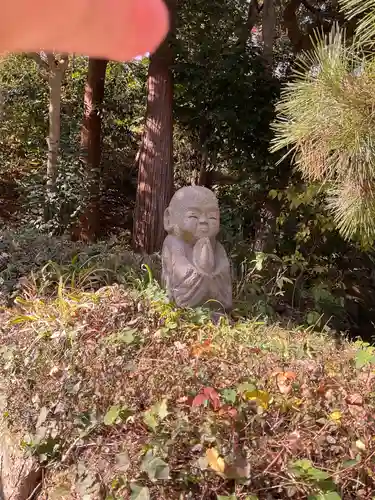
(168, 226)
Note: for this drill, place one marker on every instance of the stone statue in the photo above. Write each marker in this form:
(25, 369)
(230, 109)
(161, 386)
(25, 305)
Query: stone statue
(196, 268)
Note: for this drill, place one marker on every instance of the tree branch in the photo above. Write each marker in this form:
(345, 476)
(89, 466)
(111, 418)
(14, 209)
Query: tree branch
(39, 60)
(252, 17)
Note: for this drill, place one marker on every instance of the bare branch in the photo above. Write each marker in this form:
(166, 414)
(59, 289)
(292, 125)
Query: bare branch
(36, 56)
(252, 17)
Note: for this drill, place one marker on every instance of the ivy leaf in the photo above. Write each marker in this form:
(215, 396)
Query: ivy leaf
(213, 396)
(112, 415)
(139, 492)
(122, 461)
(229, 395)
(156, 414)
(127, 336)
(155, 467)
(246, 386)
(150, 420)
(160, 409)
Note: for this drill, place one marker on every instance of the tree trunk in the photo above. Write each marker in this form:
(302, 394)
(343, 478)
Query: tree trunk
(155, 174)
(53, 140)
(269, 27)
(53, 69)
(89, 224)
(252, 18)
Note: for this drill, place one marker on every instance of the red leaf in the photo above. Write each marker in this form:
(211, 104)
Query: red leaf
(255, 350)
(199, 400)
(213, 396)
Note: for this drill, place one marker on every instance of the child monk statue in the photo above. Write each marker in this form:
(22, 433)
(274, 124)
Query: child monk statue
(196, 269)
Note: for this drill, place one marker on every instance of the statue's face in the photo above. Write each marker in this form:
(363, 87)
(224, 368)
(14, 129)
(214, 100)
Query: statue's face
(200, 222)
(193, 214)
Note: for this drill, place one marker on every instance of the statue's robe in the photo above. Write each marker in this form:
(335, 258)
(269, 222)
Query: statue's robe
(188, 286)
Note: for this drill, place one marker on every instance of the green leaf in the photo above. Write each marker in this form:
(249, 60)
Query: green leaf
(330, 495)
(350, 463)
(317, 474)
(246, 387)
(273, 194)
(229, 395)
(112, 415)
(150, 420)
(122, 461)
(364, 357)
(160, 409)
(312, 318)
(155, 414)
(139, 492)
(127, 336)
(225, 497)
(155, 467)
(302, 464)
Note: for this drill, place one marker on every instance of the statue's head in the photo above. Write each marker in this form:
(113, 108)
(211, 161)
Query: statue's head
(193, 213)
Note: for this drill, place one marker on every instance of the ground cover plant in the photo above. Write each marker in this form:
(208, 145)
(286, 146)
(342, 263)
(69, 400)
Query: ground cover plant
(121, 395)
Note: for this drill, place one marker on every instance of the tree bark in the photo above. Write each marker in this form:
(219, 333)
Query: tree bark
(155, 174)
(323, 19)
(252, 18)
(53, 68)
(269, 28)
(88, 227)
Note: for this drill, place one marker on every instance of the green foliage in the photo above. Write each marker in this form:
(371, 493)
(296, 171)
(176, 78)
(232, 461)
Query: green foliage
(365, 10)
(325, 117)
(23, 129)
(365, 355)
(321, 479)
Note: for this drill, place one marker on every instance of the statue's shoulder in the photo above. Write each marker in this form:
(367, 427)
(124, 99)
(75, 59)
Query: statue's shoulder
(172, 243)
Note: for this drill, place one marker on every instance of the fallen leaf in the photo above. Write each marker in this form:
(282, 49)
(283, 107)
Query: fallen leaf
(360, 445)
(255, 350)
(215, 461)
(122, 461)
(354, 399)
(200, 348)
(335, 416)
(261, 397)
(213, 396)
(228, 411)
(283, 383)
(357, 411)
(199, 400)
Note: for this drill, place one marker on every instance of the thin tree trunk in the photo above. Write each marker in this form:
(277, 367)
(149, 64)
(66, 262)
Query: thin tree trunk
(155, 174)
(203, 168)
(53, 68)
(53, 139)
(269, 27)
(89, 224)
(252, 18)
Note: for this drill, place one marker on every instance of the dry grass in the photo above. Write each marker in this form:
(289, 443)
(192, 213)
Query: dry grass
(273, 397)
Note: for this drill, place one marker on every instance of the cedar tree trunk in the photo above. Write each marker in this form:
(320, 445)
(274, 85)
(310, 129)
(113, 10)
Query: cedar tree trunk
(91, 146)
(155, 164)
